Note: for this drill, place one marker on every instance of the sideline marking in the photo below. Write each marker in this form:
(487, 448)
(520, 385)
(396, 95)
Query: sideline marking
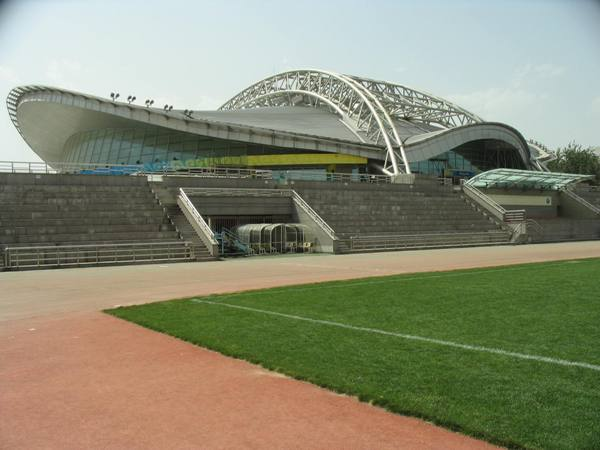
(477, 348)
(398, 278)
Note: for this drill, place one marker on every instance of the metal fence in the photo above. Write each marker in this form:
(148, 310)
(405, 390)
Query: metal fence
(197, 222)
(494, 208)
(401, 242)
(167, 169)
(45, 256)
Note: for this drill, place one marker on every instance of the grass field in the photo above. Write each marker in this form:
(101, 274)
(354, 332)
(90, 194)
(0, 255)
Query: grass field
(508, 354)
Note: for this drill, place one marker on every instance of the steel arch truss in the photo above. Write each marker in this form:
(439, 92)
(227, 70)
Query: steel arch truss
(358, 108)
(368, 107)
(404, 103)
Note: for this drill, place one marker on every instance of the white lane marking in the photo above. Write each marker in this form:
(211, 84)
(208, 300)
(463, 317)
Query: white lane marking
(395, 278)
(476, 348)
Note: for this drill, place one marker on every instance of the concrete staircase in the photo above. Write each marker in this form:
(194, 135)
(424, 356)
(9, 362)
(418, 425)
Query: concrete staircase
(79, 219)
(422, 215)
(167, 198)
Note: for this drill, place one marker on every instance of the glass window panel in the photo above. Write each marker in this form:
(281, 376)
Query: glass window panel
(136, 147)
(125, 147)
(97, 147)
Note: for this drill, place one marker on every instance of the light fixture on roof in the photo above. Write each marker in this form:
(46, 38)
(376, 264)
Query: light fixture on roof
(114, 96)
(168, 108)
(149, 103)
(188, 113)
(131, 98)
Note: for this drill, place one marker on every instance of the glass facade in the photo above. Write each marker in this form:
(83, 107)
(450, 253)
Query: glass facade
(438, 165)
(471, 158)
(155, 145)
(149, 145)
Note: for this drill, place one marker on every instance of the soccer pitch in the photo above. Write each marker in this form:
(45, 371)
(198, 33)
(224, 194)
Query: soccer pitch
(508, 354)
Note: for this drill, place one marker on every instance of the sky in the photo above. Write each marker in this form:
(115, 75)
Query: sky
(532, 64)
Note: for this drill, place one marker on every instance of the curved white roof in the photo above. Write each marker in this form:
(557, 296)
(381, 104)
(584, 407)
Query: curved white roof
(302, 109)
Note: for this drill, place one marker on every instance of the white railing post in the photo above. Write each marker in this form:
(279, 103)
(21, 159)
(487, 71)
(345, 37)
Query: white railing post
(582, 201)
(494, 208)
(198, 223)
(299, 201)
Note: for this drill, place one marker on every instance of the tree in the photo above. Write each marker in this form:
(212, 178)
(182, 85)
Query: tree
(575, 159)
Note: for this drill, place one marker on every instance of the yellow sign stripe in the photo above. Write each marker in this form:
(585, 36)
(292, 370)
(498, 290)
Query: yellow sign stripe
(296, 159)
(301, 159)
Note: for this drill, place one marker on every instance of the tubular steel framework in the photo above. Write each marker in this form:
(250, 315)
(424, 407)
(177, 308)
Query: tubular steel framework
(367, 107)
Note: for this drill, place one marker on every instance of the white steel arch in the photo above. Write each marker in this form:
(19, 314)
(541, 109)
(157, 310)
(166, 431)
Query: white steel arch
(368, 107)
(360, 110)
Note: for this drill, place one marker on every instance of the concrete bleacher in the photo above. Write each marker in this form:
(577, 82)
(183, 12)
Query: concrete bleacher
(560, 229)
(116, 215)
(424, 214)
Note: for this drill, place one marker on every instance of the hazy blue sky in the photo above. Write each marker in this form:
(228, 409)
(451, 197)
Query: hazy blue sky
(532, 64)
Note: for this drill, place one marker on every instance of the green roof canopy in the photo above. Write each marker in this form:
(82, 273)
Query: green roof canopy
(512, 178)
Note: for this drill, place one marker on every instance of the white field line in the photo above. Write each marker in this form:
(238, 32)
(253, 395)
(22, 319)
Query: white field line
(475, 348)
(329, 284)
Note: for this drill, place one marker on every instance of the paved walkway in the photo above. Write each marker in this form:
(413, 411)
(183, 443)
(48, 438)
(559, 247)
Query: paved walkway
(34, 293)
(71, 377)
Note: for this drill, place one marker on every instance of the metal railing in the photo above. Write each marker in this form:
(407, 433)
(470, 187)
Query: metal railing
(535, 226)
(399, 242)
(45, 256)
(582, 201)
(229, 239)
(68, 168)
(209, 172)
(238, 192)
(198, 223)
(308, 175)
(491, 206)
(299, 201)
(179, 168)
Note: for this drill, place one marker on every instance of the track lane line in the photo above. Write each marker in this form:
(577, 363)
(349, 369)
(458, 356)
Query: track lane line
(476, 348)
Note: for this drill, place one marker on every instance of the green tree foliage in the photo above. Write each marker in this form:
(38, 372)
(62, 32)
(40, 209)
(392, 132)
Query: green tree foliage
(575, 159)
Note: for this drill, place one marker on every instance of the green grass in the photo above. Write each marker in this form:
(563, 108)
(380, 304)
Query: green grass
(550, 309)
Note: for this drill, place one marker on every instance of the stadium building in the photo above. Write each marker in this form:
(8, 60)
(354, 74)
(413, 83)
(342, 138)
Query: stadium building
(302, 161)
(305, 119)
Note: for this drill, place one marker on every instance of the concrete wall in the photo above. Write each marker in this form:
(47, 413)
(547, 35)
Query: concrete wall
(536, 203)
(242, 206)
(323, 243)
(574, 210)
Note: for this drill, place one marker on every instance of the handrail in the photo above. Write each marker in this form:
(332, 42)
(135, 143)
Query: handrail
(421, 235)
(68, 168)
(207, 172)
(197, 221)
(308, 175)
(230, 235)
(16, 257)
(238, 192)
(299, 201)
(84, 246)
(582, 201)
(493, 207)
(397, 241)
(535, 225)
(180, 168)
